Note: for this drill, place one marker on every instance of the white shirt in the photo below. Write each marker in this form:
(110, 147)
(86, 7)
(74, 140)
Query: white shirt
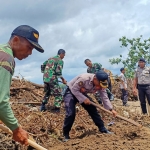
(123, 78)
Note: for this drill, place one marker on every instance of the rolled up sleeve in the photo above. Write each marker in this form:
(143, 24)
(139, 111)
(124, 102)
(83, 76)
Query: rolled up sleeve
(6, 113)
(106, 102)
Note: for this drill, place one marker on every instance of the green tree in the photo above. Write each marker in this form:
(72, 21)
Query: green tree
(137, 48)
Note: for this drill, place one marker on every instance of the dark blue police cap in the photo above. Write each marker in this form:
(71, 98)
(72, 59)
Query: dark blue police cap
(61, 51)
(101, 75)
(30, 34)
(142, 59)
(121, 69)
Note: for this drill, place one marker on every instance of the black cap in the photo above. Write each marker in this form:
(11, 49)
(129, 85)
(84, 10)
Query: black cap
(30, 34)
(61, 51)
(142, 59)
(121, 69)
(101, 75)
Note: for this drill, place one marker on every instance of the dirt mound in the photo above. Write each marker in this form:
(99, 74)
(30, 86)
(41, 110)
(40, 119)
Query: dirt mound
(46, 127)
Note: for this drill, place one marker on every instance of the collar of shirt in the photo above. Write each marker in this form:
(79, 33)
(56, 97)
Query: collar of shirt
(7, 50)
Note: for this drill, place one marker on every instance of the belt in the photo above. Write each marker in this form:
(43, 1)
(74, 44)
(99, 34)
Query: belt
(143, 85)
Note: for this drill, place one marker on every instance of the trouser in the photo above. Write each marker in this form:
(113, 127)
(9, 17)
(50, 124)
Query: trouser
(54, 89)
(144, 92)
(70, 102)
(124, 96)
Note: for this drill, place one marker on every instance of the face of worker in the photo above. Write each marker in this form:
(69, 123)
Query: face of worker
(123, 71)
(89, 64)
(141, 64)
(62, 56)
(96, 83)
(21, 47)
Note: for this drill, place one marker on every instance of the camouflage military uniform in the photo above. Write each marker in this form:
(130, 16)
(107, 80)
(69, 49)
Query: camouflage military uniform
(52, 72)
(96, 67)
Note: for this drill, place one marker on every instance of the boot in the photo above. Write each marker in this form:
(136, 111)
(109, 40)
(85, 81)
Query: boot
(56, 110)
(43, 108)
(104, 130)
(66, 137)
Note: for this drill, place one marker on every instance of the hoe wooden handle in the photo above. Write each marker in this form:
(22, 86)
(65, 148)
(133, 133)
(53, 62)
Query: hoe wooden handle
(31, 143)
(118, 116)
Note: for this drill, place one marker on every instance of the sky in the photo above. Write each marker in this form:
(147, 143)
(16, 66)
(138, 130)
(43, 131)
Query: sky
(83, 28)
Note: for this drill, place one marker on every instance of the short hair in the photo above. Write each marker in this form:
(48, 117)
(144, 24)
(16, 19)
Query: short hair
(121, 69)
(61, 51)
(86, 60)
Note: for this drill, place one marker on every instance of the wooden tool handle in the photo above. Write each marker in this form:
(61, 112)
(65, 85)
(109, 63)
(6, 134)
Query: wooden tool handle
(31, 143)
(118, 116)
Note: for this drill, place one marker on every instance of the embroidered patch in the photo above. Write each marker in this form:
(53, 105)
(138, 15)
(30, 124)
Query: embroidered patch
(80, 83)
(36, 35)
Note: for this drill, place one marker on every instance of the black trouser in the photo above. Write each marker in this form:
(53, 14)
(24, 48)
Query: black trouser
(70, 102)
(124, 96)
(144, 92)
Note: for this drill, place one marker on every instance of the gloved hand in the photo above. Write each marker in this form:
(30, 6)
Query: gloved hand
(20, 136)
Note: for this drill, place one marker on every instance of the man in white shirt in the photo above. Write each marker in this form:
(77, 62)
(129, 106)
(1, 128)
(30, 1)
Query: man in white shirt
(123, 87)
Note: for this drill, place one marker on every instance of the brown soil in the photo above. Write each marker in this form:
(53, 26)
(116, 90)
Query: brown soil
(46, 127)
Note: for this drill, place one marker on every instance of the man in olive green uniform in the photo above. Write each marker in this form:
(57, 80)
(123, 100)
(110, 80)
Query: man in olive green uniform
(52, 72)
(22, 41)
(142, 82)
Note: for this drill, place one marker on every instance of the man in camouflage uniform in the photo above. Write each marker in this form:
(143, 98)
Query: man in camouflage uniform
(52, 72)
(93, 68)
(142, 82)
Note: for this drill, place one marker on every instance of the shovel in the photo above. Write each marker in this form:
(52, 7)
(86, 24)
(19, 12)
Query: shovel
(31, 143)
(118, 116)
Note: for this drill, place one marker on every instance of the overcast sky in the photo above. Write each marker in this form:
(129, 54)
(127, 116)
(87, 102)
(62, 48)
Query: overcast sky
(84, 28)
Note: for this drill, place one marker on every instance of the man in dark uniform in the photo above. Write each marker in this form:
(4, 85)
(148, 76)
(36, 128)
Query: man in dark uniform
(77, 92)
(142, 82)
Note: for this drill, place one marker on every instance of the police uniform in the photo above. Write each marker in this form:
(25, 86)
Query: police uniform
(143, 76)
(73, 95)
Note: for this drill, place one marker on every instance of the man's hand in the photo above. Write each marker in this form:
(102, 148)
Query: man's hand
(87, 102)
(20, 135)
(135, 92)
(64, 81)
(114, 113)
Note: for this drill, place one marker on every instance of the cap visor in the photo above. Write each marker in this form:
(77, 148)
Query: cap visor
(36, 46)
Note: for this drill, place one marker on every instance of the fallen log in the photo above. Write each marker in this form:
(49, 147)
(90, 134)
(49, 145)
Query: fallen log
(118, 116)
(23, 87)
(34, 84)
(27, 103)
(31, 143)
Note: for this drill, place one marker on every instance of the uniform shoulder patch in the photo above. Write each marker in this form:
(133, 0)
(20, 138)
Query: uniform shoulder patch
(80, 83)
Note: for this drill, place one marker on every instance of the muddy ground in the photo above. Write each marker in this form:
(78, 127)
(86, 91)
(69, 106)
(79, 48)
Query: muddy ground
(46, 127)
